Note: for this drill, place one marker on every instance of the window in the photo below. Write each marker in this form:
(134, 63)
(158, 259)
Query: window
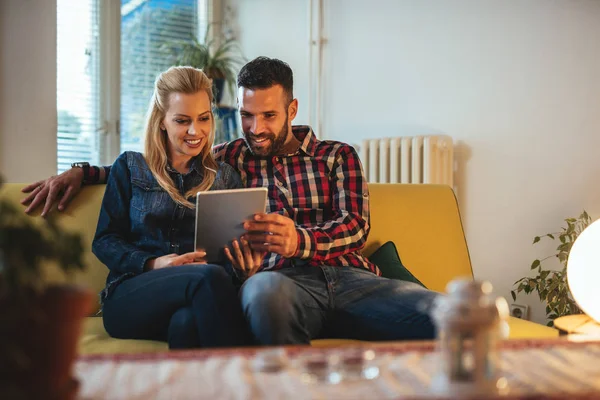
(96, 125)
(77, 80)
(145, 28)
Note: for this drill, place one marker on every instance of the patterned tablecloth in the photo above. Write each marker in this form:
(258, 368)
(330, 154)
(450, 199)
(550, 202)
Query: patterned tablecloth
(555, 368)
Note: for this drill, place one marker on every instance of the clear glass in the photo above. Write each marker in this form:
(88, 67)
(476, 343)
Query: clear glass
(337, 365)
(352, 364)
(270, 360)
(313, 366)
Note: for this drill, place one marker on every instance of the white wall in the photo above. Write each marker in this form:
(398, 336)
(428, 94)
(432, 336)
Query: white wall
(277, 29)
(27, 89)
(515, 83)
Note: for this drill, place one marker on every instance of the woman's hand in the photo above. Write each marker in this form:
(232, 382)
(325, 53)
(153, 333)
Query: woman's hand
(244, 258)
(173, 260)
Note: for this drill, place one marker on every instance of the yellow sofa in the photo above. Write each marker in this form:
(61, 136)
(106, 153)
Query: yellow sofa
(422, 220)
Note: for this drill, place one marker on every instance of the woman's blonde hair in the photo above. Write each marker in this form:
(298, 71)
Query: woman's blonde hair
(186, 80)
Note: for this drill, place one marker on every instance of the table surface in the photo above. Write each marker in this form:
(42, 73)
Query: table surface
(550, 368)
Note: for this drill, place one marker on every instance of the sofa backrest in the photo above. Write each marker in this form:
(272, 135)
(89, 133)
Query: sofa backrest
(422, 220)
(424, 223)
(81, 215)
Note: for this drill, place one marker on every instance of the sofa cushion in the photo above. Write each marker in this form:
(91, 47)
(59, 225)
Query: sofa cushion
(387, 259)
(95, 340)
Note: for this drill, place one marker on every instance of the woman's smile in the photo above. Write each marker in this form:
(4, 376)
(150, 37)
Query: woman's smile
(193, 143)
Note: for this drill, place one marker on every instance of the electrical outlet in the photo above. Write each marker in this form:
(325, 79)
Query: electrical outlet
(519, 311)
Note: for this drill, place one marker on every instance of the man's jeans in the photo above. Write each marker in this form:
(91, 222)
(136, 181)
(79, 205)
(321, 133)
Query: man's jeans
(295, 305)
(187, 306)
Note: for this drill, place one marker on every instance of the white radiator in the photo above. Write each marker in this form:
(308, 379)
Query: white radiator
(409, 159)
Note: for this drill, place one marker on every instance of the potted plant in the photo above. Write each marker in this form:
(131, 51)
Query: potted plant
(39, 322)
(220, 58)
(551, 285)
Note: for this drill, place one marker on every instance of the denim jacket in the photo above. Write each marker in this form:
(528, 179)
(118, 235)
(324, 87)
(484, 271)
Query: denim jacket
(139, 220)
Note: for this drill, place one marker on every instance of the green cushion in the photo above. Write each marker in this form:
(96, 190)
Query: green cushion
(387, 259)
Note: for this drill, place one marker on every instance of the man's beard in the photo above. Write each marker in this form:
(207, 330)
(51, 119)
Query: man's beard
(277, 142)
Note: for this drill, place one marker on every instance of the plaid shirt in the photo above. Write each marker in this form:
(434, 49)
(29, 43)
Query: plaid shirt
(321, 187)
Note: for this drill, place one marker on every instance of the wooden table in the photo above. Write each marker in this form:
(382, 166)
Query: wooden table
(549, 368)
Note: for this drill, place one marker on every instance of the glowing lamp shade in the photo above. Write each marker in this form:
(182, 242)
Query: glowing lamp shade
(583, 270)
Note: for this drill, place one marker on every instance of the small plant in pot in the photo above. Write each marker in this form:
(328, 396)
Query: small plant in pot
(39, 321)
(551, 285)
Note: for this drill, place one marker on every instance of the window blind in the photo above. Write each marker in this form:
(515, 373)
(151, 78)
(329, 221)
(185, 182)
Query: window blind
(77, 82)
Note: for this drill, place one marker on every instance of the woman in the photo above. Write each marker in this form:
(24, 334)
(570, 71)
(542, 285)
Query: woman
(158, 287)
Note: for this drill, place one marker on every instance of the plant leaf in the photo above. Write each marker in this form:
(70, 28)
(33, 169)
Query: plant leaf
(535, 264)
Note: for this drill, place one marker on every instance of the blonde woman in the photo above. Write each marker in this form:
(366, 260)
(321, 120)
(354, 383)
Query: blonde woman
(158, 287)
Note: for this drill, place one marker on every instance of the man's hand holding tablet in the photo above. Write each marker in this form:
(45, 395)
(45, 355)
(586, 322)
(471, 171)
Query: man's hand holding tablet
(273, 233)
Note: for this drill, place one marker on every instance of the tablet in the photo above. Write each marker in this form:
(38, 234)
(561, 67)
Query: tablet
(220, 216)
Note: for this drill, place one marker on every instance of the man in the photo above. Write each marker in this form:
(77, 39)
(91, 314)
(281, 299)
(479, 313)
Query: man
(313, 281)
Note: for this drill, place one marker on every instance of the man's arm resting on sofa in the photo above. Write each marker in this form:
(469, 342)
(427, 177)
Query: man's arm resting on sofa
(62, 188)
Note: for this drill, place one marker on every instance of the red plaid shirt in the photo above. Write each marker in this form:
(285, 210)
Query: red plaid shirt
(321, 187)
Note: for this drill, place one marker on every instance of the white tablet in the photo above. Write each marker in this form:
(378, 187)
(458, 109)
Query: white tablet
(220, 216)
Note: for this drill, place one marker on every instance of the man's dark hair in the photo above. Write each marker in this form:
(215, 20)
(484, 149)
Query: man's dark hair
(264, 72)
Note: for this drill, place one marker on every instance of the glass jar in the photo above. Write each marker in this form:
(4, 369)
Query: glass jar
(469, 322)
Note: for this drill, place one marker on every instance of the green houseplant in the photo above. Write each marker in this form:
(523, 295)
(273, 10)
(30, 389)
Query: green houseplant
(219, 57)
(39, 321)
(551, 285)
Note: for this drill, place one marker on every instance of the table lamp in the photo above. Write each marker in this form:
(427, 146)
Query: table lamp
(583, 271)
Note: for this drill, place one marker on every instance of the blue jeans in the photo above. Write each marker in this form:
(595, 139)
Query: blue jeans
(187, 306)
(295, 305)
